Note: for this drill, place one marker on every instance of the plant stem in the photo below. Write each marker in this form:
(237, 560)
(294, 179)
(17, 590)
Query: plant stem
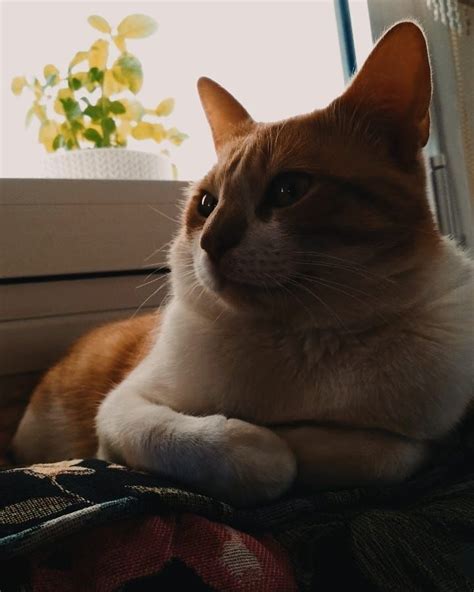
(104, 131)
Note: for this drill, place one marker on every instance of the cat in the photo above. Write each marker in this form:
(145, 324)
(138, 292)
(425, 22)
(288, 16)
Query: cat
(319, 330)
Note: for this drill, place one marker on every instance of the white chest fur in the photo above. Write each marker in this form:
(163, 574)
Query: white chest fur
(413, 378)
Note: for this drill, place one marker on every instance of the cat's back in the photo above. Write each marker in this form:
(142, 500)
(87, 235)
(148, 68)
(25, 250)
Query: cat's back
(59, 420)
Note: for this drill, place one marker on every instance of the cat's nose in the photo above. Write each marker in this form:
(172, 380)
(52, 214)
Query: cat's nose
(221, 236)
(216, 244)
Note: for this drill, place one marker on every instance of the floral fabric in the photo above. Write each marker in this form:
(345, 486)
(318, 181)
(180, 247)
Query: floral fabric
(90, 525)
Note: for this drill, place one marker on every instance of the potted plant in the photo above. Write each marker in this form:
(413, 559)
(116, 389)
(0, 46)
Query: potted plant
(87, 114)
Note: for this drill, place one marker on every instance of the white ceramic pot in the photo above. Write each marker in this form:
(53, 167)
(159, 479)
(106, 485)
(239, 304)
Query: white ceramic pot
(107, 163)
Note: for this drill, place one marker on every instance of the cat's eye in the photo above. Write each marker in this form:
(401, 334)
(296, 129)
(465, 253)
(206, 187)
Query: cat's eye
(287, 188)
(207, 204)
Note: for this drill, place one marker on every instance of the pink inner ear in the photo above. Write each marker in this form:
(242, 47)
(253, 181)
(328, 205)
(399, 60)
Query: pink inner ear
(396, 78)
(224, 113)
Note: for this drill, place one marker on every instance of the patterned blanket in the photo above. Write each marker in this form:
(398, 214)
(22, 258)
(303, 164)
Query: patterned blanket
(88, 525)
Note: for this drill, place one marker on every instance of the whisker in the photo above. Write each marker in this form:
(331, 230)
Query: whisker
(320, 300)
(337, 266)
(293, 295)
(165, 271)
(340, 288)
(159, 249)
(341, 264)
(148, 298)
(327, 281)
(195, 285)
(157, 279)
(155, 271)
(201, 293)
(175, 220)
(218, 316)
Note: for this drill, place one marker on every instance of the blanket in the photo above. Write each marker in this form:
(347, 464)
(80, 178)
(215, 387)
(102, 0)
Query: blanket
(418, 535)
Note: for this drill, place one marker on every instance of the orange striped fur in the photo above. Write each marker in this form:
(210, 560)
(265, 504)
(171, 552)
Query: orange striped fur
(75, 386)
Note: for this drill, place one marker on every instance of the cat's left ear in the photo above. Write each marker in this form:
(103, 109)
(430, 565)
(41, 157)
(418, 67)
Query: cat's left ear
(395, 83)
(225, 115)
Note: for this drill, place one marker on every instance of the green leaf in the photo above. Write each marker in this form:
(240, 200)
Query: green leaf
(71, 108)
(117, 107)
(137, 26)
(58, 142)
(128, 70)
(108, 125)
(104, 104)
(96, 75)
(70, 145)
(93, 136)
(74, 83)
(76, 126)
(94, 112)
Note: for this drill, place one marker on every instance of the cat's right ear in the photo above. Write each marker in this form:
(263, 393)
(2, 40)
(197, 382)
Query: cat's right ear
(225, 115)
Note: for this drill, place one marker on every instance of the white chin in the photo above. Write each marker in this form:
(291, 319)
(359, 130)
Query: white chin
(207, 274)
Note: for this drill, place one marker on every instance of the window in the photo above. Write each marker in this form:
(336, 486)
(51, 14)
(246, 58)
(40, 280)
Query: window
(278, 58)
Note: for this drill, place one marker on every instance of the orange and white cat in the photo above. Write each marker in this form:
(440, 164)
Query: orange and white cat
(319, 331)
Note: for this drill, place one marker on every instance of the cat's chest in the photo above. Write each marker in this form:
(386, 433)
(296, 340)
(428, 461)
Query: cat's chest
(258, 375)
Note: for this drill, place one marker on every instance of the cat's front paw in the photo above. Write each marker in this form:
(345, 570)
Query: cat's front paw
(232, 460)
(254, 465)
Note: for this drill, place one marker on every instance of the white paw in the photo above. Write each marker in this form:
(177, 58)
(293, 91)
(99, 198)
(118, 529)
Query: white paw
(252, 465)
(229, 459)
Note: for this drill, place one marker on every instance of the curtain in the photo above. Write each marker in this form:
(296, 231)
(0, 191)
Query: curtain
(458, 16)
(449, 27)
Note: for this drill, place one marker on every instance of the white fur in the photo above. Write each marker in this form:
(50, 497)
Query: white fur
(209, 362)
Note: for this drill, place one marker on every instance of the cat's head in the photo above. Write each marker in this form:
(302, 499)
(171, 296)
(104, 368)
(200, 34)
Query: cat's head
(322, 215)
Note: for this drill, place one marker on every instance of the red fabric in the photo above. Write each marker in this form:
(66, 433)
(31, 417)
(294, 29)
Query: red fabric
(105, 558)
